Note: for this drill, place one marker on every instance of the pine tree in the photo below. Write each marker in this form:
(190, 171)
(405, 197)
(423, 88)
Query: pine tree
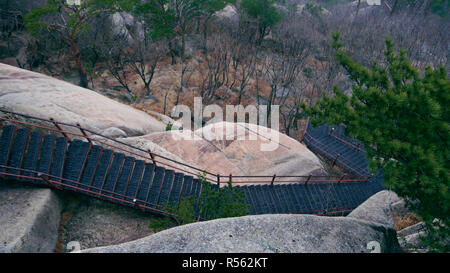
(402, 118)
(263, 14)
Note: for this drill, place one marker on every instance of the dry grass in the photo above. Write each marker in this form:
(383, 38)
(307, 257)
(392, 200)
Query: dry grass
(406, 221)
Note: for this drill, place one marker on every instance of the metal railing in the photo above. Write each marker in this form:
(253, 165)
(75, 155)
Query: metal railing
(356, 147)
(164, 161)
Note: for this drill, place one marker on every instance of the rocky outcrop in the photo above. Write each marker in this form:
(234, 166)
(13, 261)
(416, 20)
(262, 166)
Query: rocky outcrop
(125, 25)
(29, 219)
(241, 154)
(39, 95)
(166, 120)
(413, 242)
(145, 145)
(114, 132)
(411, 229)
(266, 233)
(228, 12)
(377, 208)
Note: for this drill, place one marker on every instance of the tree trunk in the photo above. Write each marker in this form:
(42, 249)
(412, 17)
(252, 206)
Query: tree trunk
(172, 54)
(183, 46)
(79, 63)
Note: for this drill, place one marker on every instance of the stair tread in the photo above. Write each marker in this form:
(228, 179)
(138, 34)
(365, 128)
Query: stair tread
(17, 151)
(31, 156)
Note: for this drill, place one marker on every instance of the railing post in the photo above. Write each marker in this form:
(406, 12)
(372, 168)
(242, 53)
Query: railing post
(137, 205)
(334, 161)
(152, 156)
(60, 129)
(231, 178)
(218, 182)
(84, 133)
(273, 179)
(46, 180)
(307, 180)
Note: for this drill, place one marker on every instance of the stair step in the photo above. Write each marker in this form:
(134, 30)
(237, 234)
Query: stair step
(156, 185)
(296, 204)
(175, 193)
(187, 186)
(137, 175)
(6, 142)
(124, 178)
(277, 199)
(197, 188)
(282, 198)
(272, 207)
(265, 195)
(290, 198)
(59, 155)
(143, 188)
(113, 174)
(75, 160)
(17, 152)
(45, 155)
(254, 205)
(91, 166)
(31, 157)
(101, 171)
(166, 188)
(257, 192)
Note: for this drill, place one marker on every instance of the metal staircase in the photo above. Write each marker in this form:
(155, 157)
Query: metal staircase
(81, 166)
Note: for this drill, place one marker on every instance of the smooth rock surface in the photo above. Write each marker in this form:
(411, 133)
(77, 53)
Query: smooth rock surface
(411, 229)
(166, 120)
(265, 234)
(412, 242)
(36, 94)
(114, 132)
(144, 144)
(377, 208)
(240, 149)
(29, 218)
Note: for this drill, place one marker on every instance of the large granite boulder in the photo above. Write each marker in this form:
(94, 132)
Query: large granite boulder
(29, 219)
(266, 233)
(377, 208)
(39, 95)
(244, 150)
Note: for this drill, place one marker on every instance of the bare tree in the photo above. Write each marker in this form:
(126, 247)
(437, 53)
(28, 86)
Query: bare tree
(116, 54)
(143, 59)
(216, 65)
(243, 63)
(282, 67)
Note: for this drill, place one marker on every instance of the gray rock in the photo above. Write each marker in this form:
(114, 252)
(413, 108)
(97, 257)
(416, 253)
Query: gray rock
(266, 234)
(114, 132)
(377, 208)
(125, 25)
(400, 209)
(93, 223)
(229, 12)
(29, 218)
(36, 94)
(412, 242)
(411, 229)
